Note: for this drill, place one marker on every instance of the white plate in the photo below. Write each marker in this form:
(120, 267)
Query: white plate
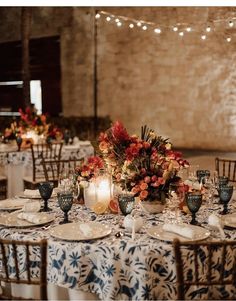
(229, 220)
(11, 220)
(80, 231)
(13, 204)
(35, 196)
(159, 233)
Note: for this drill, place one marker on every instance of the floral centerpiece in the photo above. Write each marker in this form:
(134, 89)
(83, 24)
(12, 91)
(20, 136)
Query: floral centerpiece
(32, 125)
(144, 166)
(88, 170)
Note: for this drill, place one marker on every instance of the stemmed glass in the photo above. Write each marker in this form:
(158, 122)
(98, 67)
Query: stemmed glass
(176, 195)
(65, 201)
(18, 142)
(193, 201)
(126, 203)
(45, 190)
(225, 194)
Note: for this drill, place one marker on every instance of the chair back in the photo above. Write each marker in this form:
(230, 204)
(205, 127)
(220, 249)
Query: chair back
(53, 168)
(3, 188)
(19, 259)
(226, 167)
(202, 267)
(49, 151)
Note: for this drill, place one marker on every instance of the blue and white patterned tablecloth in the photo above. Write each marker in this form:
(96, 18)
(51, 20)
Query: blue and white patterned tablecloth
(115, 268)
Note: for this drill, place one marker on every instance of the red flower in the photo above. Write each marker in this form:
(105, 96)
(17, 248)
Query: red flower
(119, 132)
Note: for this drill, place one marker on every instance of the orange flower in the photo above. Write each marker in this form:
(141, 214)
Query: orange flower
(143, 194)
(103, 146)
(143, 186)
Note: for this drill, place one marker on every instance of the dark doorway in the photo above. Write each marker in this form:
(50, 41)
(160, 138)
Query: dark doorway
(44, 66)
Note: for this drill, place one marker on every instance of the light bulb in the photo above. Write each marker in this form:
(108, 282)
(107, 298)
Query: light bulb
(175, 28)
(181, 33)
(97, 16)
(144, 27)
(108, 19)
(188, 29)
(117, 20)
(139, 24)
(131, 25)
(231, 23)
(208, 29)
(119, 24)
(203, 37)
(157, 30)
(228, 39)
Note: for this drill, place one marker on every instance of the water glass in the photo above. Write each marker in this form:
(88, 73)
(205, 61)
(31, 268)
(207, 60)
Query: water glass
(45, 190)
(65, 201)
(194, 202)
(225, 194)
(126, 203)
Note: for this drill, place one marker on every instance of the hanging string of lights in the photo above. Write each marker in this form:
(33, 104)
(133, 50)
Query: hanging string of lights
(203, 29)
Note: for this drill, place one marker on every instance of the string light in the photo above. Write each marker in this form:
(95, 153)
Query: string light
(157, 30)
(185, 27)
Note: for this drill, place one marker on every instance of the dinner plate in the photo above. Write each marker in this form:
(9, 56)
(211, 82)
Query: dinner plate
(80, 231)
(159, 233)
(229, 220)
(35, 196)
(13, 204)
(11, 220)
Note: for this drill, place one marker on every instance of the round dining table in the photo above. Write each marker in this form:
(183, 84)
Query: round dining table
(116, 264)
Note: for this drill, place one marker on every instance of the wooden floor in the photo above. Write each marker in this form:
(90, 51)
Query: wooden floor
(206, 159)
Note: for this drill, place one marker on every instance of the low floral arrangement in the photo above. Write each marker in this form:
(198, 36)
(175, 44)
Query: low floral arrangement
(30, 121)
(89, 169)
(144, 166)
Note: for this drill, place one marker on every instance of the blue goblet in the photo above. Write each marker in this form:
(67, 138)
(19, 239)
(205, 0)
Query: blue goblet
(225, 194)
(194, 202)
(18, 142)
(45, 190)
(126, 203)
(65, 201)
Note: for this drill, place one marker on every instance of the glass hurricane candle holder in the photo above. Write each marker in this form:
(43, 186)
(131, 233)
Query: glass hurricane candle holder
(45, 190)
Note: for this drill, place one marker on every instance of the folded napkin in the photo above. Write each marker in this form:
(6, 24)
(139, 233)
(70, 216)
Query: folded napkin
(193, 184)
(131, 223)
(33, 218)
(183, 230)
(32, 206)
(216, 222)
(32, 193)
(85, 229)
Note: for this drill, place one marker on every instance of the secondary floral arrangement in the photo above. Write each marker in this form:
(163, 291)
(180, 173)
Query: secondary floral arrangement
(144, 166)
(30, 121)
(89, 169)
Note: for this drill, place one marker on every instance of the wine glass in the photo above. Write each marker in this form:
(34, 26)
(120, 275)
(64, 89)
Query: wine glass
(18, 142)
(225, 194)
(176, 193)
(45, 190)
(126, 203)
(65, 201)
(193, 201)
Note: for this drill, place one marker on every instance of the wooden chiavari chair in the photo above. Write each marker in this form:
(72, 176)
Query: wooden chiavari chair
(17, 260)
(50, 151)
(196, 267)
(226, 167)
(3, 187)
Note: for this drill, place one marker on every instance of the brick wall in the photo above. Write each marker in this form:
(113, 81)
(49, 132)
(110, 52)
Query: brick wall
(182, 87)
